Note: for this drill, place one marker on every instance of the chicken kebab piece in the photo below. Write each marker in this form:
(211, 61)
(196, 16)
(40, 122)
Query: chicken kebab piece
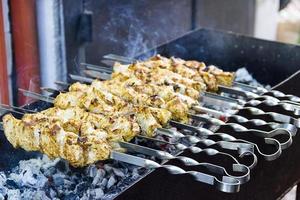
(52, 131)
(88, 98)
(133, 93)
(189, 70)
(79, 145)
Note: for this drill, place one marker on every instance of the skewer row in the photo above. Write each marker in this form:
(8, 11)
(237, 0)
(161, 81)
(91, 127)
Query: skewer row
(111, 101)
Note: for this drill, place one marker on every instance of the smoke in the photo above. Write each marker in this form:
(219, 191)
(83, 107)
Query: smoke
(125, 28)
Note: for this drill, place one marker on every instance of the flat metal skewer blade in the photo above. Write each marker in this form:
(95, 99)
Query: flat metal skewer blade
(243, 93)
(17, 108)
(134, 160)
(118, 58)
(37, 96)
(146, 150)
(96, 67)
(108, 62)
(81, 78)
(217, 114)
(11, 110)
(97, 74)
(61, 83)
(50, 90)
(227, 184)
(249, 87)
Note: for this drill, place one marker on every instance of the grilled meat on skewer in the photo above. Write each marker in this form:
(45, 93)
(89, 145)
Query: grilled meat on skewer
(147, 96)
(194, 70)
(50, 138)
(116, 96)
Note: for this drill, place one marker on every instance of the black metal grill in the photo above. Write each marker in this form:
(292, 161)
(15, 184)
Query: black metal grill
(270, 63)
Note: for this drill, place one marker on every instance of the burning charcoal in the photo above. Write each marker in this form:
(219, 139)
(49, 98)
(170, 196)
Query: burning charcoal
(62, 166)
(3, 192)
(58, 179)
(12, 184)
(97, 193)
(2, 178)
(99, 176)
(135, 173)
(49, 171)
(49, 163)
(68, 183)
(81, 187)
(75, 177)
(91, 171)
(104, 182)
(71, 196)
(26, 178)
(30, 194)
(111, 181)
(41, 181)
(13, 194)
(85, 197)
(108, 167)
(118, 172)
(52, 193)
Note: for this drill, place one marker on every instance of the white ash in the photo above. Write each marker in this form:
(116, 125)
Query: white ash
(42, 178)
(243, 76)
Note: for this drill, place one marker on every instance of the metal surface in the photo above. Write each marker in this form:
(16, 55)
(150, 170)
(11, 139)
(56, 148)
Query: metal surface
(236, 166)
(227, 184)
(270, 62)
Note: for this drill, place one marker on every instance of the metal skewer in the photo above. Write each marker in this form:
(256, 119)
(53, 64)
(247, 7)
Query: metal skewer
(37, 96)
(161, 154)
(17, 108)
(11, 110)
(246, 122)
(164, 155)
(257, 112)
(119, 58)
(248, 95)
(210, 98)
(227, 184)
(270, 157)
(261, 91)
(214, 98)
(241, 148)
(237, 87)
(276, 116)
(236, 167)
(289, 102)
(193, 139)
(218, 100)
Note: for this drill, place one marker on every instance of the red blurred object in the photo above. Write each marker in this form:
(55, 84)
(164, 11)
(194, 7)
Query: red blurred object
(4, 92)
(25, 46)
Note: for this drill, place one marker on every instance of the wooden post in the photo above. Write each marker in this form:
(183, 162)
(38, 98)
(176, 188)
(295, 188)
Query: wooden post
(4, 92)
(25, 49)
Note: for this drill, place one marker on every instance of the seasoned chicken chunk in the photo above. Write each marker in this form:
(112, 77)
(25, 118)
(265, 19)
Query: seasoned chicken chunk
(52, 140)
